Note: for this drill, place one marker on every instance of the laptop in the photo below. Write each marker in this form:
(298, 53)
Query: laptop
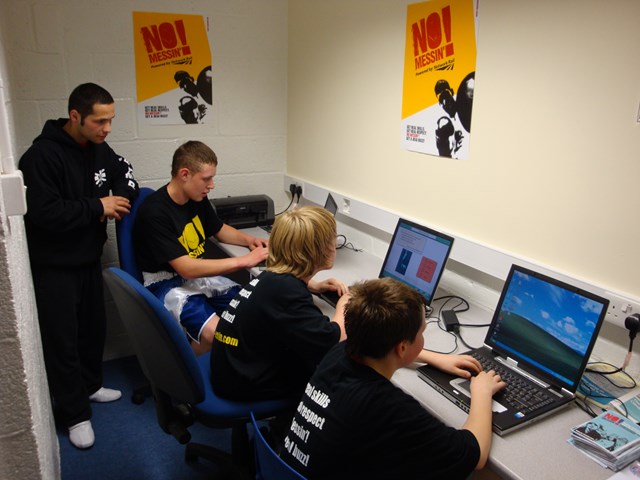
(416, 256)
(330, 205)
(541, 336)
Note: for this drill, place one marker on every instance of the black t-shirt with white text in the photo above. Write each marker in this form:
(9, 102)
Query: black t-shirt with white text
(354, 423)
(269, 340)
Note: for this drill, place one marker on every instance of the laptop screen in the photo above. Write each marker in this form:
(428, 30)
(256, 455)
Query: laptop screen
(547, 324)
(416, 256)
(331, 205)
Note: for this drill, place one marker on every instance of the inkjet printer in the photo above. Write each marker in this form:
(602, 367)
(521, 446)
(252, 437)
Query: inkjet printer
(245, 211)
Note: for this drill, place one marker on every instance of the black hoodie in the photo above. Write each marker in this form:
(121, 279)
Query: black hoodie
(65, 182)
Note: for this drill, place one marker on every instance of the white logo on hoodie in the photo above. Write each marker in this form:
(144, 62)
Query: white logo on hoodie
(100, 177)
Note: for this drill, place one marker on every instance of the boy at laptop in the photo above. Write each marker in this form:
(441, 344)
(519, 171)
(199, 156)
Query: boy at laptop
(170, 240)
(271, 337)
(353, 422)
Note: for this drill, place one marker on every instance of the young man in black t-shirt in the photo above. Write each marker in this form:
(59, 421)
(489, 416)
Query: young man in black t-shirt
(352, 422)
(170, 234)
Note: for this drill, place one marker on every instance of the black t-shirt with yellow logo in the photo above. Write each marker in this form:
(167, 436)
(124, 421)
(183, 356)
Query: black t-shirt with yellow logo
(165, 230)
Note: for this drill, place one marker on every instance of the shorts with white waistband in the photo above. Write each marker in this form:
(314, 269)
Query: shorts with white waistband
(193, 302)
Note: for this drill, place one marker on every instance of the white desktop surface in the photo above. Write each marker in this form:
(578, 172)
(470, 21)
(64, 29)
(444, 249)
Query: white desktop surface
(537, 451)
(350, 266)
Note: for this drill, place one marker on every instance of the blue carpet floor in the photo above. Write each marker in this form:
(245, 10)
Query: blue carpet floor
(130, 445)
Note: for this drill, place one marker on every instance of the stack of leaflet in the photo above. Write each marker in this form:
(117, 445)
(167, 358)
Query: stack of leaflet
(610, 439)
(628, 405)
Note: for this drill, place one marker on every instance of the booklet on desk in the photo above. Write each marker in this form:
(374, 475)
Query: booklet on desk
(610, 439)
(628, 405)
(600, 391)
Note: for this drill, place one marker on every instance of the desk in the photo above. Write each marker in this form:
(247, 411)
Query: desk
(537, 451)
(350, 266)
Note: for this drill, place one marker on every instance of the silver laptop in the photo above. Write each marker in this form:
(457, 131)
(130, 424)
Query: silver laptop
(416, 256)
(540, 339)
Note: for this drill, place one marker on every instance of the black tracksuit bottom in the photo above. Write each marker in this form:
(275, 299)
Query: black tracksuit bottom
(72, 319)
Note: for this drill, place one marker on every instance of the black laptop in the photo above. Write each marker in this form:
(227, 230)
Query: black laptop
(540, 339)
(416, 256)
(330, 205)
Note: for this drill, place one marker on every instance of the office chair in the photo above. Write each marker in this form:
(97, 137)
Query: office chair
(269, 466)
(124, 236)
(126, 254)
(180, 381)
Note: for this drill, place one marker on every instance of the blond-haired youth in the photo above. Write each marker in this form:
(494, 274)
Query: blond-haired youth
(272, 335)
(302, 242)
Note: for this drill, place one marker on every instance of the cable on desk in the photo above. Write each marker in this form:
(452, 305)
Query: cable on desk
(288, 206)
(464, 342)
(436, 320)
(587, 391)
(449, 298)
(604, 374)
(466, 307)
(346, 244)
(584, 405)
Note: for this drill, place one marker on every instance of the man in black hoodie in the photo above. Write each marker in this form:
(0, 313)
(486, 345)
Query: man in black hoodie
(75, 182)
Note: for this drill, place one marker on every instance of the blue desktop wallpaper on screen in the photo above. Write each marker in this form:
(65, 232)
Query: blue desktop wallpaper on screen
(566, 315)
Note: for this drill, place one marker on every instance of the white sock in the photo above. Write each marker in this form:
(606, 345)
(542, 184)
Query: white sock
(105, 395)
(81, 434)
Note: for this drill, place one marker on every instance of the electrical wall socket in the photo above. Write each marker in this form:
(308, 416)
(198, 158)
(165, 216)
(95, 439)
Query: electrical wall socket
(620, 308)
(346, 206)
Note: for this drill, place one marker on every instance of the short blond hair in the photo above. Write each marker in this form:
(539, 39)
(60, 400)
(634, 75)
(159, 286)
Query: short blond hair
(301, 241)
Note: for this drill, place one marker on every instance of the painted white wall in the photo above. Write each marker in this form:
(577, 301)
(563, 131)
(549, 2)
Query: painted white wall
(28, 442)
(554, 167)
(51, 47)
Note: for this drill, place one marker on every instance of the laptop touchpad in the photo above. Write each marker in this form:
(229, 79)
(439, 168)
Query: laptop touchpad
(463, 386)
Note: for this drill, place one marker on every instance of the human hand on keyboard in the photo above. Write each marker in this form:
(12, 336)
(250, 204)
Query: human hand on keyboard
(256, 256)
(486, 383)
(464, 366)
(328, 284)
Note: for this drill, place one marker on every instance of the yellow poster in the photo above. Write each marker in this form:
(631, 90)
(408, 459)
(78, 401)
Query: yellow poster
(439, 77)
(173, 68)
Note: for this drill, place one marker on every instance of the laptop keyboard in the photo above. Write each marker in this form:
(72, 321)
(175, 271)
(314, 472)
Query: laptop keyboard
(330, 296)
(520, 394)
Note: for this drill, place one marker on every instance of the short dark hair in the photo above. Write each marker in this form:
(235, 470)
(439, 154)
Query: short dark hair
(192, 155)
(85, 96)
(380, 314)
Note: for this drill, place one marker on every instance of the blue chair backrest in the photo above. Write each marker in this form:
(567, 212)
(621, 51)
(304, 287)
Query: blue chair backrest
(124, 234)
(161, 346)
(269, 466)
